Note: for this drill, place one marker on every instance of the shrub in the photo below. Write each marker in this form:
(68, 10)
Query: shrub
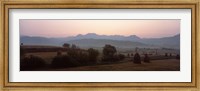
(121, 56)
(116, 58)
(137, 59)
(146, 58)
(32, 62)
(64, 61)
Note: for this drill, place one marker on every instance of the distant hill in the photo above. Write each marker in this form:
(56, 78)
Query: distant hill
(110, 37)
(95, 40)
(87, 43)
(27, 40)
(168, 42)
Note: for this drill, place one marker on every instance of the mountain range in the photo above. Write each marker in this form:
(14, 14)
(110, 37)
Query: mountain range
(95, 40)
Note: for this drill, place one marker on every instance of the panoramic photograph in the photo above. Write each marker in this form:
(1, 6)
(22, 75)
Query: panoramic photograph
(99, 45)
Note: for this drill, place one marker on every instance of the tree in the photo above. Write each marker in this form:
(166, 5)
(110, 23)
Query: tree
(31, 62)
(170, 54)
(21, 44)
(131, 54)
(108, 52)
(166, 55)
(93, 54)
(79, 55)
(64, 61)
(156, 51)
(128, 55)
(74, 46)
(146, 58)
(83, 58)
(137, 59)
(66, 45)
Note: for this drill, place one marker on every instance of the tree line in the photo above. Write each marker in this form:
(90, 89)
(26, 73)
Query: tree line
(75, 56)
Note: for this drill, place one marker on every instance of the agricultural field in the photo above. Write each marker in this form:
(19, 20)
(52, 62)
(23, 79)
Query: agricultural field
(159, 61)
(155, 65)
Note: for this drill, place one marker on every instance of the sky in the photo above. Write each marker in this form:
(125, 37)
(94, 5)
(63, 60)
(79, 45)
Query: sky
(66, 28)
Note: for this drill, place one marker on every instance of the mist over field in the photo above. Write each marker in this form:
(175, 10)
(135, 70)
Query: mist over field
(99, 45)
(97, 41)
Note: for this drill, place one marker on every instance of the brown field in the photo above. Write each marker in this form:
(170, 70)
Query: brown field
(124, 65)
(156, 65)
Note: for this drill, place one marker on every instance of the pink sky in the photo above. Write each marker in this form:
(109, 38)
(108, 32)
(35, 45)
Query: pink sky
(65, 28)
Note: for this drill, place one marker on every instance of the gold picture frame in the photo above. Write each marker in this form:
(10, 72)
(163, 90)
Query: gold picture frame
(150, 86)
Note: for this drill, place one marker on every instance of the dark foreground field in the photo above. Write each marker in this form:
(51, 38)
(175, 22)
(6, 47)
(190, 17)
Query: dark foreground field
(155, 65)
(157, 62)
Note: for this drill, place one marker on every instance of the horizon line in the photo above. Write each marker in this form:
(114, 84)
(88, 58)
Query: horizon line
(101, 35)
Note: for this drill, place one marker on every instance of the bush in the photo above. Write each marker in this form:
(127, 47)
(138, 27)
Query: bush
(32, 62)
(136, 59)
(121, 56)
(114, 58)
(146, 58)
(64, 61)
